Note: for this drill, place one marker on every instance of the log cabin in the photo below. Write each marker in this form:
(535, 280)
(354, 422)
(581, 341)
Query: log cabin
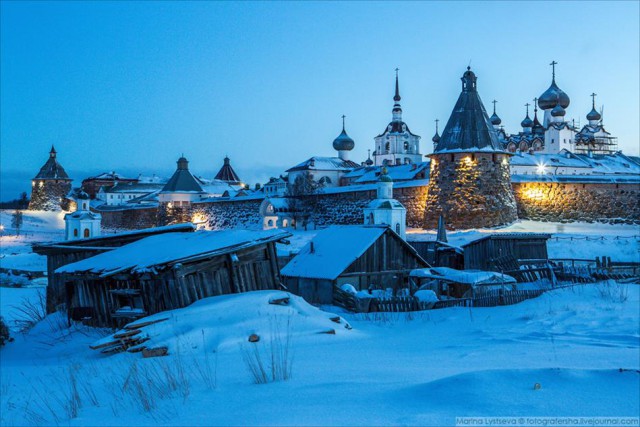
(365, 256)
(169, 271)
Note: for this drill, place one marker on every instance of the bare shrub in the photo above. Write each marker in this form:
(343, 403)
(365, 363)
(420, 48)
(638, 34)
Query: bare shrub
(613, 291)
(276, 362)
(4, 333)
(30, 312)
(207, 374)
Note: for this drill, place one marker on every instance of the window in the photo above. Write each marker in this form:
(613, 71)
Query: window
(387, 147)
(406, 146)
(398, 228)
(86, 232)
(75, 232)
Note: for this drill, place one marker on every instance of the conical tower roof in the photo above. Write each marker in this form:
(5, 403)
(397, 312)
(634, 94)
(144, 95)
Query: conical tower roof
(469, 128)
(52, 169)
(182, 181)
(227, 173)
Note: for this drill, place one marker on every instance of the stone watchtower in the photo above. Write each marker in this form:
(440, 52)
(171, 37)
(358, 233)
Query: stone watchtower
(50, 186)
(469, 180)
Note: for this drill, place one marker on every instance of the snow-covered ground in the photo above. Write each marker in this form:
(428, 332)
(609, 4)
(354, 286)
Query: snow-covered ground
(37, 227)
(581, 345)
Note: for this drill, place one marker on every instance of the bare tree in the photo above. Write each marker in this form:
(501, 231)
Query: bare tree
(302, 197)
(16, 221)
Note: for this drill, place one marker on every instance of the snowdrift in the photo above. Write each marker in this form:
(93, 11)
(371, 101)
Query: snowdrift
(222, 321)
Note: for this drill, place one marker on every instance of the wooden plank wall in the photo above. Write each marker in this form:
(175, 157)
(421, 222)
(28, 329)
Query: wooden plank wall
(387, 253)
(256, 269)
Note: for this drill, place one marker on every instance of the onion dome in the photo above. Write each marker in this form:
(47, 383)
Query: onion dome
(593, 115)
(527, 122)
(343, 142)
(554, 95)
(384, 175)
(368, 162)
(495, 120)
(558, 111)
(436, 137)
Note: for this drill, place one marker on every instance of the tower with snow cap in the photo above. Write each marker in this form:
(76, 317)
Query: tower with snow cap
(469, 178)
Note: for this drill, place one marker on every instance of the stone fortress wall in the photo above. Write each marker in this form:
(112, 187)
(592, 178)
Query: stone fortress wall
(557, 202)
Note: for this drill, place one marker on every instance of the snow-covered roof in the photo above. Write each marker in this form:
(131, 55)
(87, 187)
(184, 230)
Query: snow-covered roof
(373, 186)
(385, 204)
(111, 176)
(82, 215)
(217, 187)
(562, 159)
(332, 250)
(148, 254)
(182, 180)
(325, 164)
(153, 179)
(52, 169)
(468, 128)
(397, 173)
(227, 174)
(133, 187)
(468, 277)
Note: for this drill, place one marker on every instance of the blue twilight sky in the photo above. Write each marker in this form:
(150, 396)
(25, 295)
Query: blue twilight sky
(130, 86)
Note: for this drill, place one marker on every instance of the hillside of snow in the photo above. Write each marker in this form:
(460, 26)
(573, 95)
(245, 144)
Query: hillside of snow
(581, 345)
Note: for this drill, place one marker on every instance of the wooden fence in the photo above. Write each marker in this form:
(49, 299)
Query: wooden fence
(404, 304)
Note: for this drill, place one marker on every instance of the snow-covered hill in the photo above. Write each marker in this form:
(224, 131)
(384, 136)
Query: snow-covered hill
(580, 344)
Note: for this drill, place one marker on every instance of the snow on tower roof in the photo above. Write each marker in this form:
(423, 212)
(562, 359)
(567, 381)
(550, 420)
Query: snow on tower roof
(469, 128)
(52, 169)
(182, 181)
(148, 254)
(226, 173)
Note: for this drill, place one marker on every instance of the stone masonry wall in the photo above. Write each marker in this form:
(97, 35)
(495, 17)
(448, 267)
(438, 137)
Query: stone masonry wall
(49, 195)
(536, 201)
(613, 203)
(130, 219)
(230, 214)
(470, 191)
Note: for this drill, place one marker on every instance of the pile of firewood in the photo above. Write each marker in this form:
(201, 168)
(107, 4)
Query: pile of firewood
(131, 338)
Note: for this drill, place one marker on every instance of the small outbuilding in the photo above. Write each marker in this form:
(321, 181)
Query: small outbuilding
(365, 256)
(69, 251)
(169, 271)
(495, 251)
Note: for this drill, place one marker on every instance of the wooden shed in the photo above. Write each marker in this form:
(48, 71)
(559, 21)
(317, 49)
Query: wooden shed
(371, 256)
(169, 271)
(492, 251)
(69, 251)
